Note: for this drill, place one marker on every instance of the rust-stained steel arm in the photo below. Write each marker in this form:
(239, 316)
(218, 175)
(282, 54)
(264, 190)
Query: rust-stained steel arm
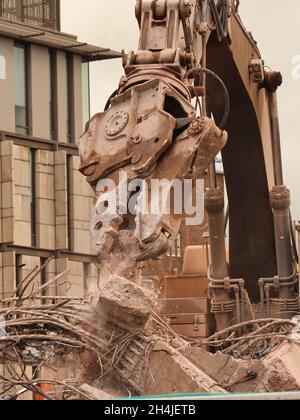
(150, 129)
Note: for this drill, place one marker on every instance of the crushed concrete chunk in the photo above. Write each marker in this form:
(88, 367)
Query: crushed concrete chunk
(284, 367)
(168, 371)
(279, 372)
(126, 304)
(234, 375)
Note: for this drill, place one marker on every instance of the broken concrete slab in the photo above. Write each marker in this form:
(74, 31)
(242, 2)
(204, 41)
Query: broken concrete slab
(233, 374)
(279, 372)
(125, 304)
(284, 367)
(168, 371)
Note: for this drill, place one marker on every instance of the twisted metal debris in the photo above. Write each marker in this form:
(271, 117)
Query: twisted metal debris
(255, 339)
(36, 329)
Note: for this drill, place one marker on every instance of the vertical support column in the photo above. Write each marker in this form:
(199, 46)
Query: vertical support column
(70, 202)
(24, 196)
(7, 192)
(7, 282)
(81, 206)
(45, 199)
(87, 277)
(9, 274)
(61, 266)
(51, 273)
(61, 201)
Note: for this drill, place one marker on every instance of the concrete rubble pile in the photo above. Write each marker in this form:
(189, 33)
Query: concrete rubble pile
(171, 365)
(121, 347)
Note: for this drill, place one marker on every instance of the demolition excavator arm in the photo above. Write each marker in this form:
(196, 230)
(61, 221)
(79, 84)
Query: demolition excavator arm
(198, 49)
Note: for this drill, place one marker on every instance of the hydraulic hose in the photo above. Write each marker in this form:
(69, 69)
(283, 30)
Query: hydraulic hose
(192, 73)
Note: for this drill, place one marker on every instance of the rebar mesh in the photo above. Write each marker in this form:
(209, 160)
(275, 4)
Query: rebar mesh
(41, 13)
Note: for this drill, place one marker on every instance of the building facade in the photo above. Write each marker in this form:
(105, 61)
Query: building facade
(45, 203)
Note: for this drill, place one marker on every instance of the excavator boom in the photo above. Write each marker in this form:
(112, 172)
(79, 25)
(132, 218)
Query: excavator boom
(197, 51)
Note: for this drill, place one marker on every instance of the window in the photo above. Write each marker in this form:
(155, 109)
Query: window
(19, 267)
(33, 198)
(52, 94)
(70, 98)
(85, 93)
(21, 102)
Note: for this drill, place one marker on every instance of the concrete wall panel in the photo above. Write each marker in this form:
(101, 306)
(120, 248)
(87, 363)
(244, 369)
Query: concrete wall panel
(40, 92)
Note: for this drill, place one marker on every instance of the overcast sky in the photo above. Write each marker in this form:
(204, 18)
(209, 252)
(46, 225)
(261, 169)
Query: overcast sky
(274, 24)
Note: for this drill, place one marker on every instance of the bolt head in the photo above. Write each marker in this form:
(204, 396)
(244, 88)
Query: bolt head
(137, 139)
